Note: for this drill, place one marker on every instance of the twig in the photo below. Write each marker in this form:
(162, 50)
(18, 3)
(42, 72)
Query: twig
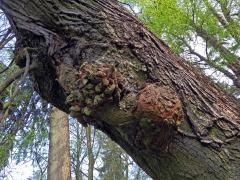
(7, 67)
(17, 75)
(11, 79)
(130, 7)
(23, 71)
(6, 38)
(26, 70)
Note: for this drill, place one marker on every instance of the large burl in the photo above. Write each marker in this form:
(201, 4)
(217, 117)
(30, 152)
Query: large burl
(160, 113)
(160, 104)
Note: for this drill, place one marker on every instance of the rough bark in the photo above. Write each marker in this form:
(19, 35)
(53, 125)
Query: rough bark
(59, 164)
(97, 59)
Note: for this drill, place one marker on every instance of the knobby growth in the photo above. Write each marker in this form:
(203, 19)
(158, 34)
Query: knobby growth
(96, 61)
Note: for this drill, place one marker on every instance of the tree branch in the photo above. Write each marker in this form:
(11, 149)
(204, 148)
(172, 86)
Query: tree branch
(16, 75)
(224, 23)
(6, 38)
(225, 10)
(26, 70)
(5, 69)
(11, 79)
(209, 62)
(23, 71)
(231, 58)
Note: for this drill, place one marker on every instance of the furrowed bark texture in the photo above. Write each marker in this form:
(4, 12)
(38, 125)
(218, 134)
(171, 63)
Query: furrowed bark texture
(101, 62)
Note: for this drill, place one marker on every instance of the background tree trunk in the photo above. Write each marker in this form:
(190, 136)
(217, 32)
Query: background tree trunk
(59, 164)
(91, 160)
(78, 166)
(171, 119)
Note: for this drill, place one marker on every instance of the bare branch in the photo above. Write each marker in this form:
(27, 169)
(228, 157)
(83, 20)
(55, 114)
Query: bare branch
(11, 79)
(16, 75)
(7, 37)
(221, 19)
(130, 7)
(209, 62)
(5, 69)
(23, 71)
(26, 70)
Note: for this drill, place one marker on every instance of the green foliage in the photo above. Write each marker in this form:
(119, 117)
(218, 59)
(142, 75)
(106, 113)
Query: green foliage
(5, 149)
(25, 130)
(31, 139)
(207, 30)
(172, 18)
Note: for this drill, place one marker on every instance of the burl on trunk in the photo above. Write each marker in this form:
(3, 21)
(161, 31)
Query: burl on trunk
(99, 63)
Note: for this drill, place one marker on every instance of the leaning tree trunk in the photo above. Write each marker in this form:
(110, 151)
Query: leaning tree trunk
(99, 63)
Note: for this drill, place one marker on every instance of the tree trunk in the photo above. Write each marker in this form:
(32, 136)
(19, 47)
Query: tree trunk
(97, 58)
(59, 167)
(78, 160)
(90, 153)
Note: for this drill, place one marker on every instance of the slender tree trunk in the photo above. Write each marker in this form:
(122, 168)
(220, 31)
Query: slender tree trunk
(97, 59)
(59, 167)
(90, 153)
(78, 167)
